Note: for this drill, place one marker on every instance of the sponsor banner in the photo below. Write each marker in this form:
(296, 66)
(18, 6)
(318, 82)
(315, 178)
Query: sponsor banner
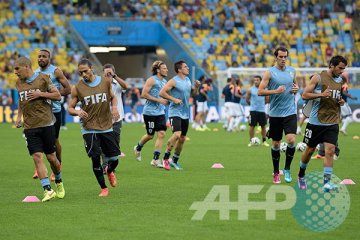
(216, 113)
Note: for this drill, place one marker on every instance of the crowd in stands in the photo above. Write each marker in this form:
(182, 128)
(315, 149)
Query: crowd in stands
(27, 27)
(226, 33)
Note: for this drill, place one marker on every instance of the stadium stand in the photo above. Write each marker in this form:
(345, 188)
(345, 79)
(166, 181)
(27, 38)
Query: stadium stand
(33, 27)
(219, 33)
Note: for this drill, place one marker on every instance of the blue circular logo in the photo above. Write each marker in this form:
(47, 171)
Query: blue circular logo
(321, 211)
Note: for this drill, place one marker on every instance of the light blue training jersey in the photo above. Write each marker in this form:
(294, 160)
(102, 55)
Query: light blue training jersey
(313, 118)
(283, 104)
(50, 71)
(257, 103)
(181, 91)
(152, 108)
(83, 130)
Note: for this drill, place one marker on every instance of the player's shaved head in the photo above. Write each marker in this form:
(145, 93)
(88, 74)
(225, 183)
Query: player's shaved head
(23, 61)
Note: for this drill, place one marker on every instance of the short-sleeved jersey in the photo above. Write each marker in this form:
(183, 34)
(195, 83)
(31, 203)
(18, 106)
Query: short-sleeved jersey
(283, 104)
(257, 103)
(152, 108)
(95, 100)
(205, 88)
(118, 91)
(227, 93)
(181, 91)
(50, 71)
(36, 113)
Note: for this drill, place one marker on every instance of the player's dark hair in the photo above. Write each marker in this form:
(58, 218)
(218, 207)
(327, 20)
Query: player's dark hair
(177, 65)
(46, 50)
(336, 60)
(258, 76)
(109, 65)
(85, 61)
(282, 49)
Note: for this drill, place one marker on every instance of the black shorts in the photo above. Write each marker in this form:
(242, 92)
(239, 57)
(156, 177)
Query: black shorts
(315, 134)
(277, 125)
(57, 124)
(179, 124)
(117, 131)
(40, 139)
(257, 118)
(97, 143)
(154, 124)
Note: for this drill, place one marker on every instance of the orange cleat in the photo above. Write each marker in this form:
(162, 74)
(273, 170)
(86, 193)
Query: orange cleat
(112, 179)
(104, 192)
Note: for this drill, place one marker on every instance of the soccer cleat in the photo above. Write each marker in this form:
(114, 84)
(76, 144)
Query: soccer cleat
(104, 192)
(60, 191)
(250, 144)
(112, 179)
(177, 166)
(287, 176)
(199, 129)
(335, 157)
(206, 128)
(166, 164)
(276, 178)
(156, 163)
(330, 187)
(318, 156)
(302, 183)
(137, 154)
(35, 176)
(265, 144)
(48, 195)
(343, 132)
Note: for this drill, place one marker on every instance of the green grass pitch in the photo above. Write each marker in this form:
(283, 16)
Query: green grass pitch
(151, 203)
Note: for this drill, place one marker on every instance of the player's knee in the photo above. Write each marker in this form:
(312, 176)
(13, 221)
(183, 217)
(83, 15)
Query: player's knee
(37, 156)
(161, 134)
(291, 140)
(330, 150)
(276, 144)
(182, 139)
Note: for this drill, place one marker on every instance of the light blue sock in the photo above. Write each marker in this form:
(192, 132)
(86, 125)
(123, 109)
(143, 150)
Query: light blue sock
(45, 183)
(327, 174)
(303, 165)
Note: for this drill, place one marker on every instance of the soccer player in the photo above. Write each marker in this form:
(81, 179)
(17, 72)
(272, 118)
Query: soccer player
(236, 110)
(257, 110)
(202, 105)
(134, 96)
(62, 84)
(346, 112)
(119, 87)
(324, 90)
(177, 90)
(278, 83)
(36, 91)
(95, 94)
(154, 112)
(227, 95)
